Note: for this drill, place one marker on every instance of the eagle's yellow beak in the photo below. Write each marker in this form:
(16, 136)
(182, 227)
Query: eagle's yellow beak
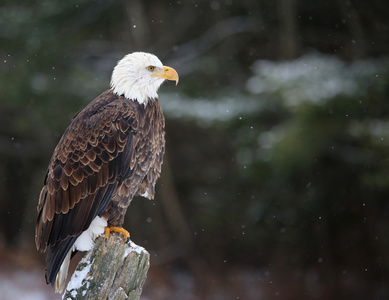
(167, 73)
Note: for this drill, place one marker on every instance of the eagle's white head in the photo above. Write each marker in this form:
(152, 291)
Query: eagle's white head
(139, 75)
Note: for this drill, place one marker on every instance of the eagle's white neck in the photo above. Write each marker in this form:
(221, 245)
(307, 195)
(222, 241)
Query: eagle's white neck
(138, 91)
(132, 79)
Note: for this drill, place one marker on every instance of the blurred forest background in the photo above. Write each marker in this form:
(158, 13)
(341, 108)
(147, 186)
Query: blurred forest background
(275, 183)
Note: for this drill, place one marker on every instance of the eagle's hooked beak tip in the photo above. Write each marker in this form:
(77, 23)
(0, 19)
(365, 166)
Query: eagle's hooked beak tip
(169, 73)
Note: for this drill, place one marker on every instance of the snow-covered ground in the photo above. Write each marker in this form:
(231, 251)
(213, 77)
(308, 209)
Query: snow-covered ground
(18, 283)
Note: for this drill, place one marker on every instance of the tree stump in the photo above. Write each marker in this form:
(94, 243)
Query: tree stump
(115, 271)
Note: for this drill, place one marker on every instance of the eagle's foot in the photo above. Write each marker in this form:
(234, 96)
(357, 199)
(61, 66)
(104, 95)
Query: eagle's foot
(118, 229)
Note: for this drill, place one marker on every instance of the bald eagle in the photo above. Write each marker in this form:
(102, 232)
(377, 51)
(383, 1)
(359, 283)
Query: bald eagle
(111, 151)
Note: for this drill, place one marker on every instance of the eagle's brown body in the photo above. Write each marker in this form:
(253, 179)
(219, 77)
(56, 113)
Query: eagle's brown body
(112, 150)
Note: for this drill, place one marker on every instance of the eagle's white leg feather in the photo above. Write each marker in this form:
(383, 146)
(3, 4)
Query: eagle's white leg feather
(84, 242)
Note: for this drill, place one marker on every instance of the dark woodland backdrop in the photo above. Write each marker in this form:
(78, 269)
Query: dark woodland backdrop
(276, 177)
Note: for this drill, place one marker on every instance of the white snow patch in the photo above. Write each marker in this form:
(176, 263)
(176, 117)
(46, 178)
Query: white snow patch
(134, 247)
(78, 276)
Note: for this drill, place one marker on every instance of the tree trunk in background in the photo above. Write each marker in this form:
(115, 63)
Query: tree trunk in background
(352, 20)
(288, 29)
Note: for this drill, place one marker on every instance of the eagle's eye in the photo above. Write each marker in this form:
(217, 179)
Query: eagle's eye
(151, 68)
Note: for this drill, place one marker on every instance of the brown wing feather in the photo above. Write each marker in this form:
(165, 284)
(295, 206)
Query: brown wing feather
(82, 163)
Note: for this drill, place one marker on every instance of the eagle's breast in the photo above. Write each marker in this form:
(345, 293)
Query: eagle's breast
(145, 160)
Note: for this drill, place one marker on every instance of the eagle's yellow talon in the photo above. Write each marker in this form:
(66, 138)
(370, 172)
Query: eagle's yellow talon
(118, 229)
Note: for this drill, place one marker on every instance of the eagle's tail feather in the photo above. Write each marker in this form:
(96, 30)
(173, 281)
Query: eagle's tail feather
(62, 274)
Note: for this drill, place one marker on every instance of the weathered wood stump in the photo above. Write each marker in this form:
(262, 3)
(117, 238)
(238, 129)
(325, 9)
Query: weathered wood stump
(115, 271)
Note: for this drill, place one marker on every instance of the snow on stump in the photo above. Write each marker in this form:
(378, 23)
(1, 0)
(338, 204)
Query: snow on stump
(115, 271)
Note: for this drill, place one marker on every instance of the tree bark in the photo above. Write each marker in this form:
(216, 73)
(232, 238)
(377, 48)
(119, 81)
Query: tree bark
(288, 28)
(115, 271)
